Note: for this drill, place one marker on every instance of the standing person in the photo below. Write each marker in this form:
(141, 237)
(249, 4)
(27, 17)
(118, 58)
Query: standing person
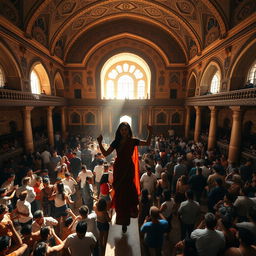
(75, 164)
(98, 172)
(154, 229)
(125, 199)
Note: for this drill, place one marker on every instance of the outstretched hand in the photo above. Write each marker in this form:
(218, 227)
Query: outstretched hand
(99, 139)
(150, 128)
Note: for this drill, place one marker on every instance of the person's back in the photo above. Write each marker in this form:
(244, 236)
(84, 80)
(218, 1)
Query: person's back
(82, 242)
(209, 241)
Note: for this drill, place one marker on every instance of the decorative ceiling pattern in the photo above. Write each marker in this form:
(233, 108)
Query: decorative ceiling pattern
(58, 24)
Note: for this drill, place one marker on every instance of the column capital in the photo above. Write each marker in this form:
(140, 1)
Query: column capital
(188, 107)
(50, 108)
(213, 108)
(27, 109)
(237, 108)
(198, 108)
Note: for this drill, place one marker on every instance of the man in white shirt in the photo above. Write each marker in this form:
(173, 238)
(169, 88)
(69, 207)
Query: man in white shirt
(98, 172)
(148, 181)
(46, 157)
(41, 221)
(23, 209)
(25, 187)
(81, 243)
(71, 183)
(158, 169)
(82, 176)
(209, 241)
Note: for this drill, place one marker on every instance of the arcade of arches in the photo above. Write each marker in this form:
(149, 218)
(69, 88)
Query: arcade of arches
(185, 64)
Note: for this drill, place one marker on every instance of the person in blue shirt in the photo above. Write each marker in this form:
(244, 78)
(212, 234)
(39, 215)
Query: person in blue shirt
(154, 229)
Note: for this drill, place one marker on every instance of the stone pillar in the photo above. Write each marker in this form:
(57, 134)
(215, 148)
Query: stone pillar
(63, 123)
(187, 121)
(235, 139)
(212, 128)
(101, 119)
(110, 122)
(198, 123)
(50, 126)
(140, 121)
(27, 129)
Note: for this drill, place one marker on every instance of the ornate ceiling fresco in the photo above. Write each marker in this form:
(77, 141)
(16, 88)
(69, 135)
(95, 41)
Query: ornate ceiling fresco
(60, 25)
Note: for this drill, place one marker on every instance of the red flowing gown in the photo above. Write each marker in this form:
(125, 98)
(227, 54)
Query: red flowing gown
(126, 181)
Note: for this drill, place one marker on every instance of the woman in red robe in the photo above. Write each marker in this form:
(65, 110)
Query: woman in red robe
(126, 178)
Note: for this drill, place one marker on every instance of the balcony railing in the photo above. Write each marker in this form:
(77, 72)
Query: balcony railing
(235, 98)
(12, 97)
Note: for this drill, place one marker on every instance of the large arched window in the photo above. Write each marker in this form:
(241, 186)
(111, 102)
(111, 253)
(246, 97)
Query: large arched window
(39, 80)
(252, 74)
(2, 77)
(35, 83)
(215, 83)
(125, 76)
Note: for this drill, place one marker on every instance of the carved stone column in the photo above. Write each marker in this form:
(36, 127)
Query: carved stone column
(50, 126)
(101, 119)
(212, 128)
(140, 121)
(27, 129)
(198, 123)
(187, 121)
(63, 123)
(235, 139)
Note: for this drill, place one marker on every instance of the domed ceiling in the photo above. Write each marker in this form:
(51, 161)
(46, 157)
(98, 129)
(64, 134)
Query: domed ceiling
(182, 26)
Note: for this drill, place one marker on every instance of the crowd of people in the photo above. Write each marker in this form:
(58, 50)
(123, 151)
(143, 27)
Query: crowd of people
(60, 201)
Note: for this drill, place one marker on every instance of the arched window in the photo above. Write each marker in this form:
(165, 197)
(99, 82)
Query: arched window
(35, 83)
(125, 76)
(2, 77)
(90, 118)
(161, 118)
(75, 118)
(215, 83)
(176, 118)
(39, 80)
(252, 74)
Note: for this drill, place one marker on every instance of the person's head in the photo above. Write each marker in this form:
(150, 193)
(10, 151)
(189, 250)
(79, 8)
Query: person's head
(26, 181)
(167, 195)
(67, 175)
(40, 249)
(154, 212)
(38, 180)
(54, 153)
(226, 221)
(84, 168)
(101, 205)
(23, 195)
(179, 160)
(11, 177)
(5, 243)
(148, 169)
(199, 171)
(39, 217)
(60, 188)
(218, 182)
(123, 131)
(210, 220)
(100, 162)
(245, 191)
(184, 180)
(229, 198)
(45, 233)
(189, 194)
(106, 167)
(104, 178)
(164, 176)
(246, 237)
(29, 173)
(46, 182)
(26, 230)
(81, 229)
(83, 211)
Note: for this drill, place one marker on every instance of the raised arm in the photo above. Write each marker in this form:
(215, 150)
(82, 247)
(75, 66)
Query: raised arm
(102, 149)
(148, 141)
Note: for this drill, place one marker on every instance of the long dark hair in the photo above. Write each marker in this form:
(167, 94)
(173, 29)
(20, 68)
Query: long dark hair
(118, 136)
(60, 188)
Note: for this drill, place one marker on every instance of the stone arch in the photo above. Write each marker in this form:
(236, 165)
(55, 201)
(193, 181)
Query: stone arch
(10, 68)
(192, 85)
(90, 118)
(59, 84)
(161, 118)
(242, 64)
(43, 76)
(75, 118)
(176, 118)
(211, 69)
